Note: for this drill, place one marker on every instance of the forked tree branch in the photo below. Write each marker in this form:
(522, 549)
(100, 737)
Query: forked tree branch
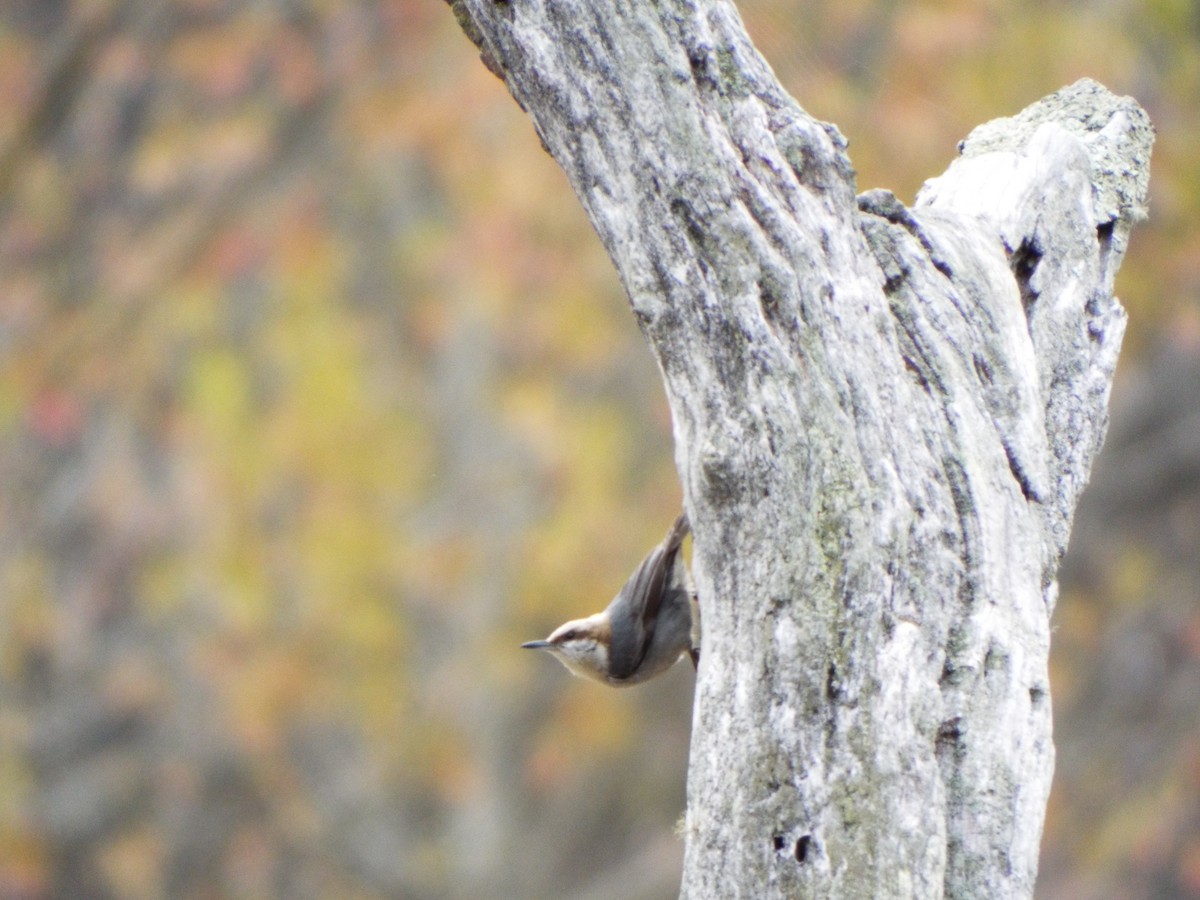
(883, 419)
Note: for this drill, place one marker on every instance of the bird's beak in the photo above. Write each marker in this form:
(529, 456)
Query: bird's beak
(536, 645)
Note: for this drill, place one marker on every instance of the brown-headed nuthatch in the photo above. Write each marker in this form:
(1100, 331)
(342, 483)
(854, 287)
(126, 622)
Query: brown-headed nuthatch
(647, 627)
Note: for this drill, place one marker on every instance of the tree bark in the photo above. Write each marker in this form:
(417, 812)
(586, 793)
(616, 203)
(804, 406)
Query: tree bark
(883, 419)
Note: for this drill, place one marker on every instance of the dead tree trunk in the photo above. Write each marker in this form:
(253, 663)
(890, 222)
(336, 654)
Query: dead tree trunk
(883, 419)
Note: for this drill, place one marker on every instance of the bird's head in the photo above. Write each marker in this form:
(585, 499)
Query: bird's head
(581, 645)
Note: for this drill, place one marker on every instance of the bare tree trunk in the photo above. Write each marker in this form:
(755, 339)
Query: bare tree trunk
(883, 419)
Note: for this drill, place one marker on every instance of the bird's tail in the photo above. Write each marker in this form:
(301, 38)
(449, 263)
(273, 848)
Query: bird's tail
(671, 543)
(679, 530)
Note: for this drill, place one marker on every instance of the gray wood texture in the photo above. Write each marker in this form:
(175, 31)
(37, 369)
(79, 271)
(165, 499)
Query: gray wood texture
(883, 416)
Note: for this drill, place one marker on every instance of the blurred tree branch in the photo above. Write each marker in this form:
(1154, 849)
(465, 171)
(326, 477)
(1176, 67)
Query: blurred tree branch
(64, 73)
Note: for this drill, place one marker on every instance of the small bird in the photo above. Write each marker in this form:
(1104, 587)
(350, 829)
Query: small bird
(651, 622)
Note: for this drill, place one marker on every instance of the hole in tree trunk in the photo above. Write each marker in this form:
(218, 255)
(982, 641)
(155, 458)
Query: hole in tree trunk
(802, 847)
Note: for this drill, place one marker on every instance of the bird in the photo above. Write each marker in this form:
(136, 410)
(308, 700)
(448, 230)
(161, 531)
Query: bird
(649, 625)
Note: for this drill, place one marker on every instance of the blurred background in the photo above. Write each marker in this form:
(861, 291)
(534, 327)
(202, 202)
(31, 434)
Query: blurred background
(318, 396)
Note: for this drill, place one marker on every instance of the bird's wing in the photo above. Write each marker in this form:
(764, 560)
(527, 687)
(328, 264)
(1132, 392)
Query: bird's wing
(634, 612)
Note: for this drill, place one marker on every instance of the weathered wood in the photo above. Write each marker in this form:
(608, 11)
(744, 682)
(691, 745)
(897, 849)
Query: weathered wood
(883, 419)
